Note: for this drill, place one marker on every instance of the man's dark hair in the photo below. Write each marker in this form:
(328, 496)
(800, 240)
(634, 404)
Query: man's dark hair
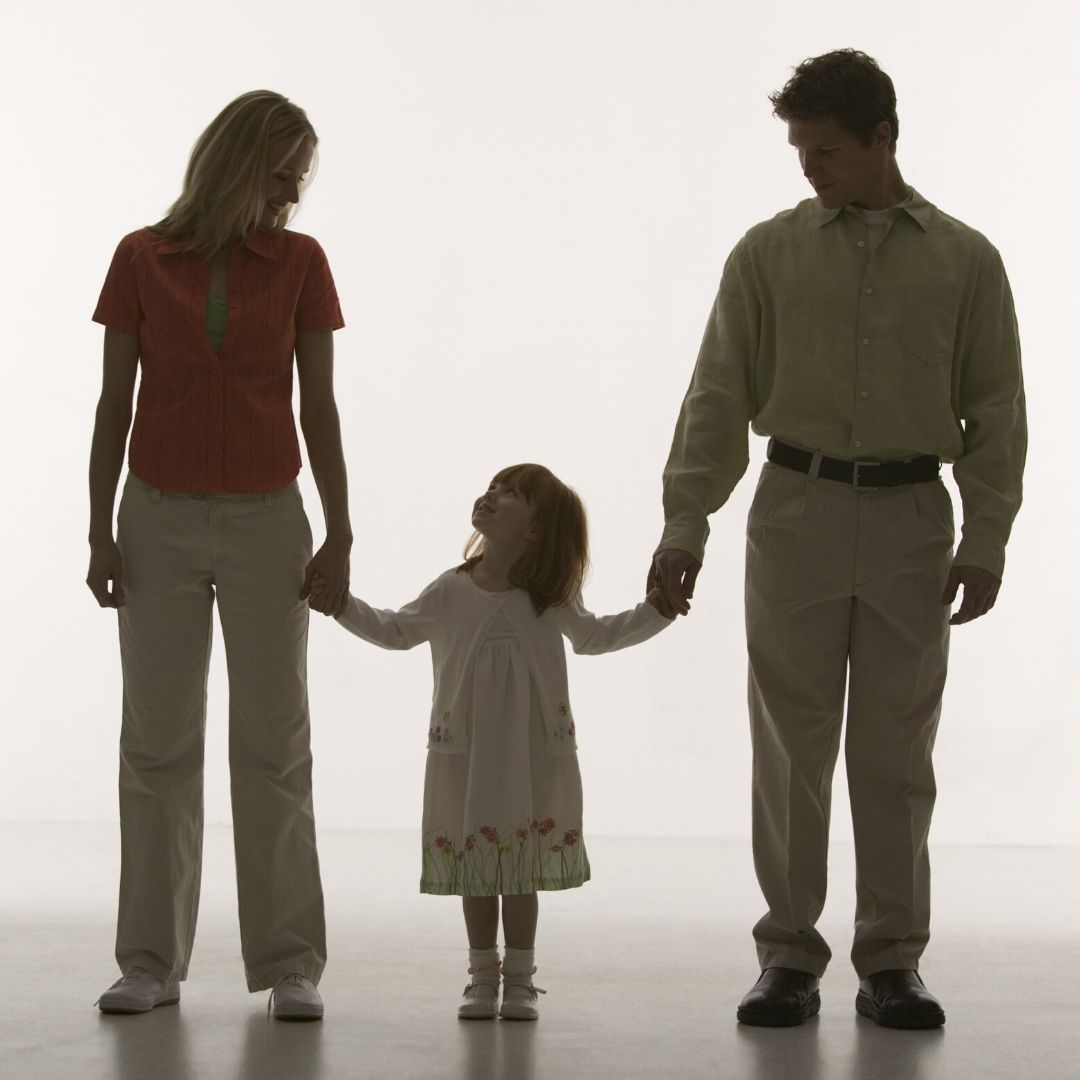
(846, 86)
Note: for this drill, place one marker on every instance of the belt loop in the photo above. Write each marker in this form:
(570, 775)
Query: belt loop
(815, 465)
(155, 494)
(268, 499)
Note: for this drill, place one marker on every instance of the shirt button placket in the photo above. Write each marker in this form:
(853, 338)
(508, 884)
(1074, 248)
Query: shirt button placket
(217, 417)
(865, 341)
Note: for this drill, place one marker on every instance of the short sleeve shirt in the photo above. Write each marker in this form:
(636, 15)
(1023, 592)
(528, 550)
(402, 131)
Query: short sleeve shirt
(211, 419)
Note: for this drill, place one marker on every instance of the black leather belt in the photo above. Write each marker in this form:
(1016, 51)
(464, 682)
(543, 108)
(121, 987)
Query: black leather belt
(860, 474)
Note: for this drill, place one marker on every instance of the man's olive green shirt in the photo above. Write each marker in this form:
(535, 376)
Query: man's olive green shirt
(870, 355)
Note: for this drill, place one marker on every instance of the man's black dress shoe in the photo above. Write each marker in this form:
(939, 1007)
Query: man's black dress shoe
(898, 999)
(782, 997)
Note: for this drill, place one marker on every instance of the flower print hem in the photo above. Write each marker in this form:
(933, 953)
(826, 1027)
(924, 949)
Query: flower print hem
(535, 855)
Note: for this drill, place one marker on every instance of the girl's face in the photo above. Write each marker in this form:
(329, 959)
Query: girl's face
(503, 513)
(283, 185)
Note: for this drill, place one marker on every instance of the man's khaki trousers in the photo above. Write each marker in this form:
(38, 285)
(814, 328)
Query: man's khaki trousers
(843, 591)
(180, 552)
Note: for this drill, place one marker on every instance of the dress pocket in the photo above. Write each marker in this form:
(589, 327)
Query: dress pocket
(561, 730)
(444, 735)
(929, 324)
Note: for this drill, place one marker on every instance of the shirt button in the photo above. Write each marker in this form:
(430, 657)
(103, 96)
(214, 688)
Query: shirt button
(869, 292)
(862, 243)
(858, 444)
(866, 341)
(864, 394)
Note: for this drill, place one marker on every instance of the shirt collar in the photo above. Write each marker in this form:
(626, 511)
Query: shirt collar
(261, 242)
(917, 207)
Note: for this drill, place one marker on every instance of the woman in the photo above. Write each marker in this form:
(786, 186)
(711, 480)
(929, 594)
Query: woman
(212, 301)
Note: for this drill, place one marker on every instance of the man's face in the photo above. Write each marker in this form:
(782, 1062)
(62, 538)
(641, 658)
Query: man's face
(838, 166)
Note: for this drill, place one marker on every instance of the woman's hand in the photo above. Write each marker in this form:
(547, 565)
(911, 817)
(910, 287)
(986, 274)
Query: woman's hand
(326, 579)
(105, 566)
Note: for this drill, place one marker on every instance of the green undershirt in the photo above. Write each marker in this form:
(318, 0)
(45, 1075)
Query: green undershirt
(217, 317)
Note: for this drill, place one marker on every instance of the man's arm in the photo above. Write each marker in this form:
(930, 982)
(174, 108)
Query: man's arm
(990, 472)
(710, 448)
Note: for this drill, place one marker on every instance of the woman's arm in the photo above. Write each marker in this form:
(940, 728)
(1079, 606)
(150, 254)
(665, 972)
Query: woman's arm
(111, 425)
(322, 434)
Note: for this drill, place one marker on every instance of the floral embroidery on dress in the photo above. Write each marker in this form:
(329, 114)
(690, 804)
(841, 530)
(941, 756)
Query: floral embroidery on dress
(491, 861)
(565, 731)
(441, 733)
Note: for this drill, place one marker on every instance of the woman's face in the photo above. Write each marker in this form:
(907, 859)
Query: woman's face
(283, 184)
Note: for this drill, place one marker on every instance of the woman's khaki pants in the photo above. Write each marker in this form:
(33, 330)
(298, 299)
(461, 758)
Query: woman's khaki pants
(843, 590)
(180, 552)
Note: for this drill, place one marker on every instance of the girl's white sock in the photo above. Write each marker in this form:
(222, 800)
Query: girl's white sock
(484, 964)
(518, 961)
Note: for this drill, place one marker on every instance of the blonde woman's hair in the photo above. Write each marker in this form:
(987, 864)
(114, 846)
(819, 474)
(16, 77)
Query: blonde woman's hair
(224, 192)
(554, 568)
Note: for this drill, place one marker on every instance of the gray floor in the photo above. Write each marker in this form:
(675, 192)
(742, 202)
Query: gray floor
(643, 967)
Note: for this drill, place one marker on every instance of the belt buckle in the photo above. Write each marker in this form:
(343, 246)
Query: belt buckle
(855, 474)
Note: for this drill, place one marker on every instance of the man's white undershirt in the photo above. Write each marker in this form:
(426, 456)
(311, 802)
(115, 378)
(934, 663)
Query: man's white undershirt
(877, 221)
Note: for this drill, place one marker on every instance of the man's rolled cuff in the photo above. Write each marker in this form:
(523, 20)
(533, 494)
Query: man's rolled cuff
(982, 551)
(692, 541)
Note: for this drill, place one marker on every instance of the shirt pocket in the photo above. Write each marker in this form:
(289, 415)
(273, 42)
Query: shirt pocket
(929, 330)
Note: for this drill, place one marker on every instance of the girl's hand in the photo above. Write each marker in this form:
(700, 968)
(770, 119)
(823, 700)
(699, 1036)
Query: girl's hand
(659, 601)
(330, 569)
(105, 566)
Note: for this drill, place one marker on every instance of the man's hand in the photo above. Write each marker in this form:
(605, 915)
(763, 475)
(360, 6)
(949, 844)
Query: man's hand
(980, 592)
(674, 572)
(105, 566)
(329, 567)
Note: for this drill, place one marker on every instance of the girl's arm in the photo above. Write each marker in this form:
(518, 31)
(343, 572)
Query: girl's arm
(403, 629)
(590, 633)
(322, 434)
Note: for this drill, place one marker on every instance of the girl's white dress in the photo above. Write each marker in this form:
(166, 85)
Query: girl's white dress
(502, 791)
(505, 816)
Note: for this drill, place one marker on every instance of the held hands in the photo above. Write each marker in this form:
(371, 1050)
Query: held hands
(326, 579)
(105, 566)
(670, 584)
(980, 592)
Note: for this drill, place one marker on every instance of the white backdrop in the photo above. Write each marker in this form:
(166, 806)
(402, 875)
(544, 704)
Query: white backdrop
(526, 208)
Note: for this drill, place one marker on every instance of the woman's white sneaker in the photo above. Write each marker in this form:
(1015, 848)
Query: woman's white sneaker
(138, 992)
(295, 997)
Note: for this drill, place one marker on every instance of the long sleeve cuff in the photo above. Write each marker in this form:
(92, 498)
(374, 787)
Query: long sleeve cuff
(982, 551)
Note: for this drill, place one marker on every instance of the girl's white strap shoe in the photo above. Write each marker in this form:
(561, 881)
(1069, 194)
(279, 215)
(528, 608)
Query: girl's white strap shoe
(520, 997)
(481, 995)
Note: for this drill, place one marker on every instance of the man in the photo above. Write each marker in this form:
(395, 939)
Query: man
(871, 336)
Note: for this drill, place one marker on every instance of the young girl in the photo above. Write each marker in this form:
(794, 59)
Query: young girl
(502, 792)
